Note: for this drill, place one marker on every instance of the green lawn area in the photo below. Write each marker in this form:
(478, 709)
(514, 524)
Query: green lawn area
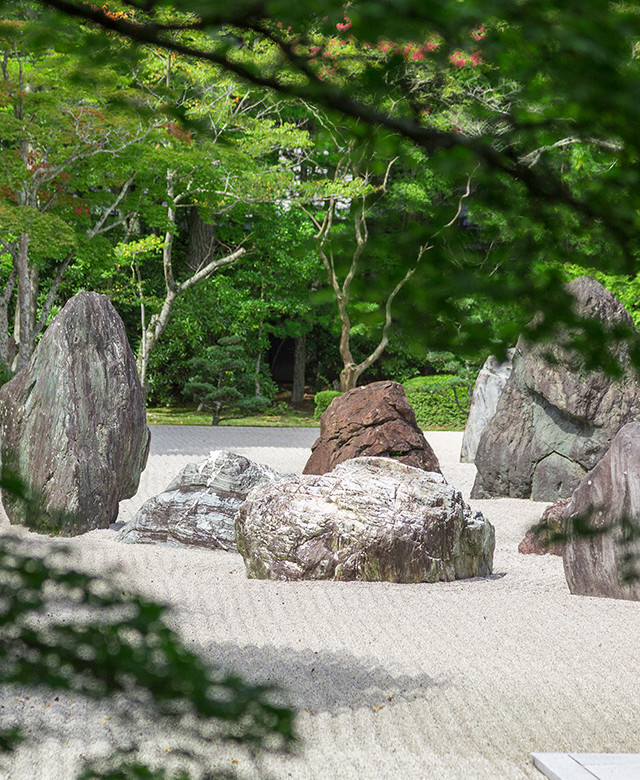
(282, 418)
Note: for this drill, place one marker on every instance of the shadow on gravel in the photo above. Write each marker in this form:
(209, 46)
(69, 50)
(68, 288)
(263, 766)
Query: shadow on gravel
(321, 681)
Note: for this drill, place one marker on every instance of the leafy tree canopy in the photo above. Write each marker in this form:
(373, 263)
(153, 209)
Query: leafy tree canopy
(530, 106)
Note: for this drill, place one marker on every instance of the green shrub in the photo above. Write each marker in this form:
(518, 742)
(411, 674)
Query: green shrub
(440, 401)
(322, 401)
(5, 375)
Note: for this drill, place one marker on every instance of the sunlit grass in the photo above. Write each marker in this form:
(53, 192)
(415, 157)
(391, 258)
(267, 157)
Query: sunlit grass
(289, 418)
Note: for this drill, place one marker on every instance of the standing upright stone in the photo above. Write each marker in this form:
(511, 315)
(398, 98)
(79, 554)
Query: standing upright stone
(602, 550)
(375, 420)
(555, 420)
(489, 385)
(73, 422)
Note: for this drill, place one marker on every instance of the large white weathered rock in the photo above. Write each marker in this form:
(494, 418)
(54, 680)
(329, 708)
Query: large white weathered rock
(200, 505)
(368, 519)
(489, 385)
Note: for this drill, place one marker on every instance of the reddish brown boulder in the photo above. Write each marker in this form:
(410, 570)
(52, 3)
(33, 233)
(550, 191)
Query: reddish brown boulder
(543, 537)
(602, 552)
(376, 420)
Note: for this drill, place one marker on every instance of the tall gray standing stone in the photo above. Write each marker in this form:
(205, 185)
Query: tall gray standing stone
(555, 420)
(489, 385)
(607, 501)
(73, 422)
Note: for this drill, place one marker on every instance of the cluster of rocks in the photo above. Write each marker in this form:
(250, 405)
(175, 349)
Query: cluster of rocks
(366, 518)
(597, 529)
(73, 423)
(372, 503)
(568, 435)
(555, 419)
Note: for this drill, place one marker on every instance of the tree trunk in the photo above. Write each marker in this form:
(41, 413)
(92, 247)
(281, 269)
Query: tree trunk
(158, 323)
(349, 377)
(150, 337)
(256, 377)
(24, 303)
(299, 364)
(201, 242)
(6, 355)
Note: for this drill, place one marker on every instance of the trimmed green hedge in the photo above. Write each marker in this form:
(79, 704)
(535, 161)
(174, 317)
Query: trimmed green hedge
(322, 401)
(441, 402)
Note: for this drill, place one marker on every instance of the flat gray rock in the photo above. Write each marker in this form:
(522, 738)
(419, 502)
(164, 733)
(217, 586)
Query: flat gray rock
(367, 519)
(199, 506)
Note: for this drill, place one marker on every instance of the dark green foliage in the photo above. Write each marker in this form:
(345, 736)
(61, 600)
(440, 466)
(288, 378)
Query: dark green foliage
(441, 402)
(67, 631)
(223, 378)
(526, 143)
(322, 401)
(5, 375)
(136, 772)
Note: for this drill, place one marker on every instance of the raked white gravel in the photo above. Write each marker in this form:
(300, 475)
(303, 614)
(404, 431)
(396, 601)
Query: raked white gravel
(437, 682)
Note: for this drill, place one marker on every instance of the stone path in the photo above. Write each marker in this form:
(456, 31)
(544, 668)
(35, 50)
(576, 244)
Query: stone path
(200, 439)
(588, 766)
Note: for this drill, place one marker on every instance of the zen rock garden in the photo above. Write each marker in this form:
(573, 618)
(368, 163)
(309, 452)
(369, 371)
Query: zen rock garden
(366, 518)
(372, 503)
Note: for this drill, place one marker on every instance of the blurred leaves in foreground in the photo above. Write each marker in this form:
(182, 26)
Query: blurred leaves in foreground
(64, 630)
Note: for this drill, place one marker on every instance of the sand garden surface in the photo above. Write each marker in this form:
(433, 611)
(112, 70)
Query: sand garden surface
(444, 681)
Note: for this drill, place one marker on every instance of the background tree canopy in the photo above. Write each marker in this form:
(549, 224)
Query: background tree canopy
(513, 127)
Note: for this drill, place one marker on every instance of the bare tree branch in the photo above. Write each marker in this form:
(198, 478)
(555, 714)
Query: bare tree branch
(98, 227)
(51, 296)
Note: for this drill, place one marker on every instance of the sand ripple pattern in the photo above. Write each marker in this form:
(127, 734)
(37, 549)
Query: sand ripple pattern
(447, 681)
